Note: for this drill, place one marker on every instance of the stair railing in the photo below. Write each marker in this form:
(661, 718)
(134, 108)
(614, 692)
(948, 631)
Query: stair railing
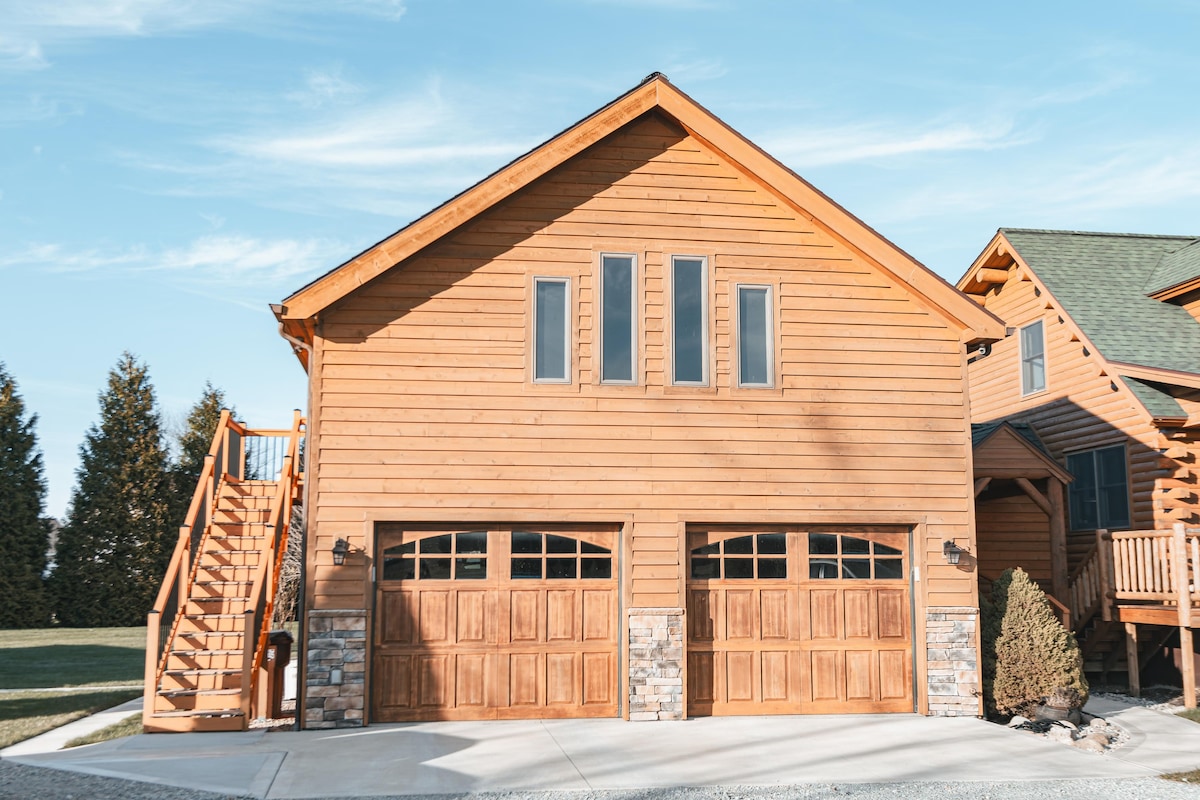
(1089, 584)
(256, 624)
(177, 583)
(1160, 566)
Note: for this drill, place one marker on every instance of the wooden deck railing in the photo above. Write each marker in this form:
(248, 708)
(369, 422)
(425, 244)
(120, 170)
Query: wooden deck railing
(1089, 583)
(229, 457)
(1157, 566)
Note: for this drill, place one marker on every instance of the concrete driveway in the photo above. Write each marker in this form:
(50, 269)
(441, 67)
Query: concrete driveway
(460, 757)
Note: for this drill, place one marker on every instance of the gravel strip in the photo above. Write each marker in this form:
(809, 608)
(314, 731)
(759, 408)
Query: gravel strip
(22, 782)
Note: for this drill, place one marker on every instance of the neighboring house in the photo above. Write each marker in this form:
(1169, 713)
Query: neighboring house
(1103, 364)
(641, 425)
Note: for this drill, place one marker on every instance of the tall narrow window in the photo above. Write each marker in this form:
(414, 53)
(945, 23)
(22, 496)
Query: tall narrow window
(689, 321)
(551, 330)
(618, 338)
(1033, 358)
(755, 339)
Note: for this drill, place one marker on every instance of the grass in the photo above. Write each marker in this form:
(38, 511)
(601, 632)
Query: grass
(130, 726)
(1191, 713)
(46, 657)
(26, 714)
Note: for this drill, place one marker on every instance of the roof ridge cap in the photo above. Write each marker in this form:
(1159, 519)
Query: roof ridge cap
(1115, 234)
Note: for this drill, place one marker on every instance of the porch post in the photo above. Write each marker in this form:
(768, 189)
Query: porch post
(1058, 541)
(1131, 657)
(1179, 574)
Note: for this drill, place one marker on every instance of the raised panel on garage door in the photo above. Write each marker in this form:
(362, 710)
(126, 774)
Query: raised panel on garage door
(494, 624)
(794, 621)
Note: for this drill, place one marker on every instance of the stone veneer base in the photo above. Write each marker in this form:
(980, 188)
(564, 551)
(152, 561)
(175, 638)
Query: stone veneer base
(656, 663)
(952, 661)
(337, 639)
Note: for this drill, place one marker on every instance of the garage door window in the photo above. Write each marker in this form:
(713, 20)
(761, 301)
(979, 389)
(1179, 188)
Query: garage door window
(538, 556)
(450, 556)
(761, 555)
(838, 556)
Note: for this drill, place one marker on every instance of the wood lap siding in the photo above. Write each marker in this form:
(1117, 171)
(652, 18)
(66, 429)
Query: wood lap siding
(1081, 409)
(426, 401)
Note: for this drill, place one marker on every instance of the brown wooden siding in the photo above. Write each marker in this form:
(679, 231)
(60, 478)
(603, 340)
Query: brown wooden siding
(1013, 532)
(426, 409)
(1081, 409)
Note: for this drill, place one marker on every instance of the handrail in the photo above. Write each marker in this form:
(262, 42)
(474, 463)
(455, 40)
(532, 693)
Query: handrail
(1157, 565)
(256, 620)
(1088, 585)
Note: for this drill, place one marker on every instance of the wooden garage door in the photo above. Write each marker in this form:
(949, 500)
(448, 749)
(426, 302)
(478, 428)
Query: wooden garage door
(494, 624)
(799, 622)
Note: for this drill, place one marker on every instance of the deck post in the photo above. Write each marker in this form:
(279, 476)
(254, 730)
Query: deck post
(1179, 575)
(1058, 540)
(1105, 570)
(1131, 658)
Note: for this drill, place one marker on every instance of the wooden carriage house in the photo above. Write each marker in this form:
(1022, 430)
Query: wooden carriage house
(642, 425)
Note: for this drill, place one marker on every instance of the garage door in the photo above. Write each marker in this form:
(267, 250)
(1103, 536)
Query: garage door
(796, 622)
(494, 623)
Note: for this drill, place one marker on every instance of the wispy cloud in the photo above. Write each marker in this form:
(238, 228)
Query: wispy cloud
(324, 87)
(824, 146)
(205, 261)
(683, 5)
(695, 71)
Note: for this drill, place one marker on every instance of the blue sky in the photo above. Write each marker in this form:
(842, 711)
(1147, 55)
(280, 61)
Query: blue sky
(168, 168)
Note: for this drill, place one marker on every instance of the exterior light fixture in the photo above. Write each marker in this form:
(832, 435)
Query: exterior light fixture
(340, 548)
(952, 552)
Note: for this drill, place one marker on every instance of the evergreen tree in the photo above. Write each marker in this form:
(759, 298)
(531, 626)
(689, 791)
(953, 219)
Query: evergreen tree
(194, 444)
(114, 549)
(1034, 654)
(24, 535)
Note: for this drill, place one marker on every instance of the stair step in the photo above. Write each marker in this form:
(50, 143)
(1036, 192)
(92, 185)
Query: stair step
(196, 699)
(201, 680)
(228, 624)
(206, 712)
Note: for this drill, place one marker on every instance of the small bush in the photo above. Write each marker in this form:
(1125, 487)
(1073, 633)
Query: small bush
(1034, 656)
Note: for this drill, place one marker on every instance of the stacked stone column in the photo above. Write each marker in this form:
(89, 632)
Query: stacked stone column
(952, 661)
(656, 663)
(337, 640)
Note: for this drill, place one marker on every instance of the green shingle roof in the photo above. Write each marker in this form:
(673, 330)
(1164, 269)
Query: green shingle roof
(1101, 280)
(1175, 267)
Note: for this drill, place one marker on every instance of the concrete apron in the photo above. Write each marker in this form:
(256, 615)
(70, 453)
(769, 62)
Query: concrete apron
(458, 757)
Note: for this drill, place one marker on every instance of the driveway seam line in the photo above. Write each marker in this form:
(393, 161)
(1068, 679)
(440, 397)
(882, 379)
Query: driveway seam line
(562, 750)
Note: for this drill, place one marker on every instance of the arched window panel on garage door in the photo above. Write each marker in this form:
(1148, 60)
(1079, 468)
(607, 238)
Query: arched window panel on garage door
(555, 556)
(447, 556)
(741, 557)
(857, 556)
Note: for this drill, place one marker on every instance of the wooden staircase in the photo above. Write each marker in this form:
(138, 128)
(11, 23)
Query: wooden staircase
(207, 634)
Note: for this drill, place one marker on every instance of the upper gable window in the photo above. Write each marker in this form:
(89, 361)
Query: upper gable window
(1099, 495)
(689, 321)
(755, 337)
(618, 322)
(551, 330)
(1033, 358)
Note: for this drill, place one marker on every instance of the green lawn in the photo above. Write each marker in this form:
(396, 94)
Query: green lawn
(90, 658)
(130, 726)
(26, 714)
(47, 657)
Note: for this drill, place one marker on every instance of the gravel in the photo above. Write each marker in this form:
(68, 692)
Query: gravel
(22, 782)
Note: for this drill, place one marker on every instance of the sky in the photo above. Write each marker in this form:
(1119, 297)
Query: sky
(169, 168)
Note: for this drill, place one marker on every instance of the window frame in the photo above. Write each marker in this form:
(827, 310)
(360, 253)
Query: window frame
(1074, 487)
(768, 334)
(633, 319)
(1025, 358)
(705, 318)
(568, 327)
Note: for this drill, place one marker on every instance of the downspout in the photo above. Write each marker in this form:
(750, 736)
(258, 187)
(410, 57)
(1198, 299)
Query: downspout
(301, 600)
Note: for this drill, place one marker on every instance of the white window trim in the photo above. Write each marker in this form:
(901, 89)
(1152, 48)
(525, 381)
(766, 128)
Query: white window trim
(1025, 390)
(633, 320)
(704, 321)
(568, 328)
(768, 338)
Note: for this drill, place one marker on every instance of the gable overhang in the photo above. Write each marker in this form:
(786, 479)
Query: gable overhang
(1046, 462)
(1178, 290)
(974, 324)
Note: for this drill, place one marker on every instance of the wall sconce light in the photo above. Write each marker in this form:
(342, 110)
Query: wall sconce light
(952, 552)
(340, 548)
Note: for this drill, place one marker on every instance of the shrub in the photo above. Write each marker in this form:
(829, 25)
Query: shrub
(1034, 655)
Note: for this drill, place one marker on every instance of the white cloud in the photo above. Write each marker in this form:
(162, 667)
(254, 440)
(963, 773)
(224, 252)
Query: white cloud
(207, 260)
(696, 71)
(824, 146)
(322, 87)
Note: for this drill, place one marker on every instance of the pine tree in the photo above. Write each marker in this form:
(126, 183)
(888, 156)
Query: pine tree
(24, 535)
(194, 444)
(1035, 654)
(114, 549)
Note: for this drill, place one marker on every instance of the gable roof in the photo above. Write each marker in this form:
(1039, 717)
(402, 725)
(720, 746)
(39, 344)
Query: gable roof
(982, 432)
(1100, 280)
(297, 313)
